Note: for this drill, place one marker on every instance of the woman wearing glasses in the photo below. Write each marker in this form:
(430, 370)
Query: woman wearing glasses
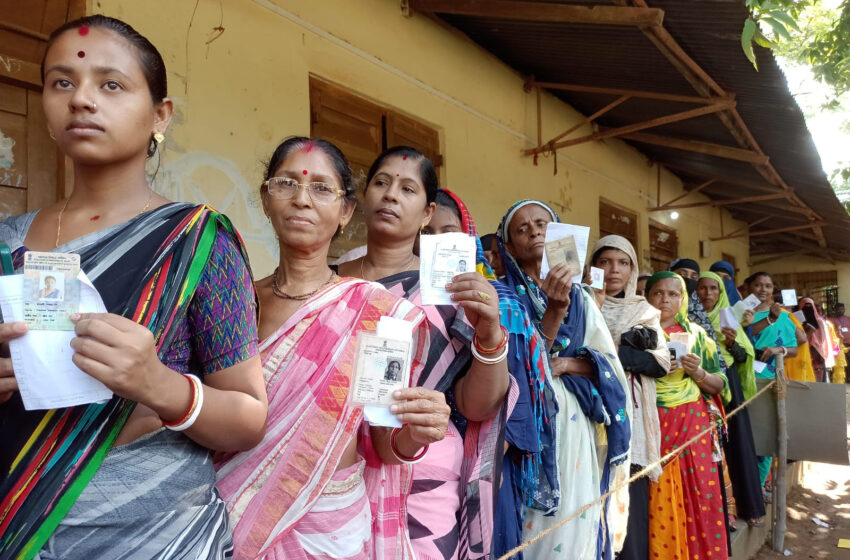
(302, 493)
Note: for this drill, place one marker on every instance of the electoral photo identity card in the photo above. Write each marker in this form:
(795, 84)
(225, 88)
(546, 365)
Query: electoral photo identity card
(441, 258)
(51, 290)
(382, 367)
(563, 251)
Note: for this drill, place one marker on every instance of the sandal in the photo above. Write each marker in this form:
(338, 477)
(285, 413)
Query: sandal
(756, 523)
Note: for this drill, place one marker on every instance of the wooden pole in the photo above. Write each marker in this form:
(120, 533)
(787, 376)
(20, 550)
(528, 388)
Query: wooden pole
(780, 485)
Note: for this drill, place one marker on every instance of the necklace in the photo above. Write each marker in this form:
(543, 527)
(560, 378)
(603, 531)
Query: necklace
(64, 206)
(406, 266)
(281, 294)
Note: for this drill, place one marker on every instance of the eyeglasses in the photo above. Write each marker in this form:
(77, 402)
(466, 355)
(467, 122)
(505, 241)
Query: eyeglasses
(285, 187)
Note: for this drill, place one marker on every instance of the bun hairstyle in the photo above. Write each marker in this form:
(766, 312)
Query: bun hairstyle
(150, 61)
(296, 143)
(427, 173)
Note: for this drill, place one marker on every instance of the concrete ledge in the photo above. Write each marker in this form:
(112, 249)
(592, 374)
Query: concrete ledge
(747, 541)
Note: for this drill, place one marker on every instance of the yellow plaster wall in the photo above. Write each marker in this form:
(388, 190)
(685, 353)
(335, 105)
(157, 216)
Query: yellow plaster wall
(239, 94)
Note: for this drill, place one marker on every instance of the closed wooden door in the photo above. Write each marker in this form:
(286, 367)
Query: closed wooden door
(32, 169)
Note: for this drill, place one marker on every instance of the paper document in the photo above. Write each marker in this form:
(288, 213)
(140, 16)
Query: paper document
(580, 234)
(597, 278)
(728, 319)
(758, 366)
(441, 258)
(400, 330)
(789, 298)
(46, 376)
(800, 316)
(747, 304)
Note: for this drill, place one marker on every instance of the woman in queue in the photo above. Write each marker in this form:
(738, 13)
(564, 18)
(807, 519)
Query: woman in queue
(130, 478)
(529, 468)
(450, 509)
(686, 512)
(642, 350)
(304, 491)
(591, 392)
(739, 355)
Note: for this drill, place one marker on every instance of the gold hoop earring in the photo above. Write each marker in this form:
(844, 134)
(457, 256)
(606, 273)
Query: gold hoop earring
(159, 137)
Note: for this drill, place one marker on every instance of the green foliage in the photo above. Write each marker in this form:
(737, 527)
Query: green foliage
(809, 32)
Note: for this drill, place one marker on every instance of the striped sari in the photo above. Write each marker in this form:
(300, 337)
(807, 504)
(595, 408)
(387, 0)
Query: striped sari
(285, 497)
(146, 269)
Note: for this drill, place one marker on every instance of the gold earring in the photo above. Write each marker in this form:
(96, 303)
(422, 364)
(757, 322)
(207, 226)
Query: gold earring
(341, 229)
(159, 137)
(421, 228)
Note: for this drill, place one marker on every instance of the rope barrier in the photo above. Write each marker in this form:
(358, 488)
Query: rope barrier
(638, 475)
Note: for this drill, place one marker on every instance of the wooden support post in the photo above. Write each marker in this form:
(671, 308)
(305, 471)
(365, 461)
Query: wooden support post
(658, 184)
(779, 488)
(539, 120)
(543, 11)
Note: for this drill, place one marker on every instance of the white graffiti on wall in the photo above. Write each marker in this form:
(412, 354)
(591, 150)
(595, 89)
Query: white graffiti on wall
(10, 64)
(7, 157)
(228, 192)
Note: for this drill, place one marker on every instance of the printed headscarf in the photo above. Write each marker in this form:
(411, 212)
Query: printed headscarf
(745, 370)
(677, 388)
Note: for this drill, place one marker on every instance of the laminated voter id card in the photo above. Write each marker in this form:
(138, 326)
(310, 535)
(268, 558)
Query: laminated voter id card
(382, 367)
(51, 290)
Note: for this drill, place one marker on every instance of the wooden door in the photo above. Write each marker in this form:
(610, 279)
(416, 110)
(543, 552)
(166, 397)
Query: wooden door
(663, 245)
(31, 166)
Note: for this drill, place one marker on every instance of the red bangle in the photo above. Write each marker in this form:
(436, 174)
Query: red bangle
(399, 455)
(484, 350)
(189, 412)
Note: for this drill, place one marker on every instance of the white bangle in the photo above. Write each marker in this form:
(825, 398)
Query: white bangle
(490, 361)
(198, 400)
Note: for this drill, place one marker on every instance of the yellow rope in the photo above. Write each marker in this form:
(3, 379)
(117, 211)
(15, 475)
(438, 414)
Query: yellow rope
(640, 474)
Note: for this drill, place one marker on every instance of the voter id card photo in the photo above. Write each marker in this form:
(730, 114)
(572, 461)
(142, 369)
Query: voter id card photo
(381, 368)
(51, 290)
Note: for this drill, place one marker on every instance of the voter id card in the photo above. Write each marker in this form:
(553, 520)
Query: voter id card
(51, 290)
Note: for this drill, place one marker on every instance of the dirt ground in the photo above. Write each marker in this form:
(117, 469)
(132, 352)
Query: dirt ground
(825, 495)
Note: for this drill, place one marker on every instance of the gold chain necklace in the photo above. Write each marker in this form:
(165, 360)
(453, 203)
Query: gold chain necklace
(406, 266)
(281, 294)
(64, 206)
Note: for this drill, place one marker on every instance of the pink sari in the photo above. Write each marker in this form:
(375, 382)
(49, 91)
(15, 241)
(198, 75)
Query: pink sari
(271, 491)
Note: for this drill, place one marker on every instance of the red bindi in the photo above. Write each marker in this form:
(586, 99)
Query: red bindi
(396, 174)
(404, 158)
(81, 54)
(304, 172)
(83, 30)
(94, 218)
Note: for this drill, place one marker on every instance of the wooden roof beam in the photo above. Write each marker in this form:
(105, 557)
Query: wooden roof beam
(756, 185)
(628, 92)
(724, 202)
(660, 121)
(763, 232)
(542, 12)
(687, 192)
(709, 148)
